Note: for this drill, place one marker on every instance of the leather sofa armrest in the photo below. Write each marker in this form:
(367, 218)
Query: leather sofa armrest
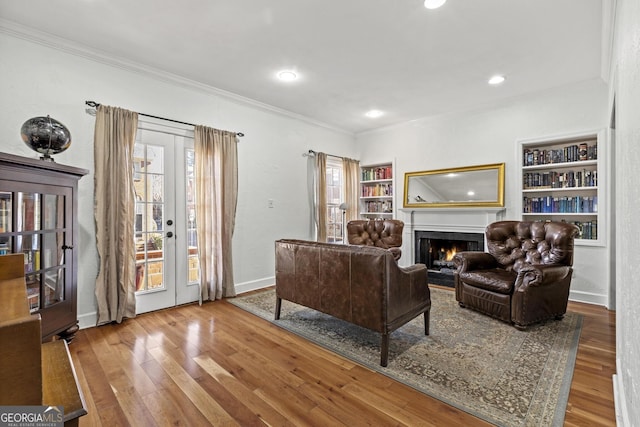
(413, 269)
(542, 275)
(396, 252)
(469, 261)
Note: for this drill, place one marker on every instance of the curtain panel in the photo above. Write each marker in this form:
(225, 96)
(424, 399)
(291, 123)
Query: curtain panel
(321, 197)
(351, 170)
(114, 206)
(216, 176)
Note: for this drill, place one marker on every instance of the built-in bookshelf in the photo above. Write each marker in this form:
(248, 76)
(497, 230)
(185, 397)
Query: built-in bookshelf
(376, 191)
(562, 181)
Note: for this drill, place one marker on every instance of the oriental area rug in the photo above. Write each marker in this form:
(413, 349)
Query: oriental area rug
(470, 361)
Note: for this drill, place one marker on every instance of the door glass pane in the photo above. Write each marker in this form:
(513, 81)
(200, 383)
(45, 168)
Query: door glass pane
(5, 212)
(52, 253)
(5, 222)
(53, 286)
(29, 215)
(192, 238)
(33, 291)
(53, 211)
(149, 225)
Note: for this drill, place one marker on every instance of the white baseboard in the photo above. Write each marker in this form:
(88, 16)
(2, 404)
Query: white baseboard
(255, 285)
(88, 320)
(589, 298)
(622, 416)
(622, 413)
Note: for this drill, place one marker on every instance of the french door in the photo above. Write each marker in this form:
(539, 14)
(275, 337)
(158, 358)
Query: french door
(167, 270)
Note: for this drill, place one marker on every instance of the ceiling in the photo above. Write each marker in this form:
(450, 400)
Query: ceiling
(351, 55)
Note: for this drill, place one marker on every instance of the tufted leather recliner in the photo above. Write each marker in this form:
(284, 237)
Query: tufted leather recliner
(382, 233)
(525, 276)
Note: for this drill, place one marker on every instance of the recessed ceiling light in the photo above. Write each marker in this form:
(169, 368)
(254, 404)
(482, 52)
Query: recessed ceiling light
(434, 4)
(287, 75)
(471, 193)
(374, 114)
(496, 80)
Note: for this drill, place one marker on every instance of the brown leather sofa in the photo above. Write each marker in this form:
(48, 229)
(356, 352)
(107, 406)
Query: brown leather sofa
(382, 233)
(359, 284)
(525, 276)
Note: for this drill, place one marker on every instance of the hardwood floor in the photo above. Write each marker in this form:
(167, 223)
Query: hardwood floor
(219, 365)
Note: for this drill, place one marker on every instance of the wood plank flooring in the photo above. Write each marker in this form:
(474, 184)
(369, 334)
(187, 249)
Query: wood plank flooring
(219, 365)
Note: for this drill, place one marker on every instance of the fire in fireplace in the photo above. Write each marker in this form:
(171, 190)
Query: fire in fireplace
(437, 248)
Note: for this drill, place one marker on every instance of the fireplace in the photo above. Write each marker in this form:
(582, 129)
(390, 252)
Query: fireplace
(437, 248)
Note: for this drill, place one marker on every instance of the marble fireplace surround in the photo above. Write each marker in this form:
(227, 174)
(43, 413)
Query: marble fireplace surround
(461, 220)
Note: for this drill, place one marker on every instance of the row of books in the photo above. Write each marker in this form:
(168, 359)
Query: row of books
(570, 153)
(384, 207)
(571, 179)
(377, 190)
(383, 172)
(588, 229)
(549, 204)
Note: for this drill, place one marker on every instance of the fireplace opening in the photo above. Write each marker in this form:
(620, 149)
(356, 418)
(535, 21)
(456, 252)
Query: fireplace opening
(436, 249)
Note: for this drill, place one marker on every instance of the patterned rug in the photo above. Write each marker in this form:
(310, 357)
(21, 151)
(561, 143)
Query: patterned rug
(473, 362)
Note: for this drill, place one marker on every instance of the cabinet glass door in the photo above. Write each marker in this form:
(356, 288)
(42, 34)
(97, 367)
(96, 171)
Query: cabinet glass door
(40, 234)
(6, 201)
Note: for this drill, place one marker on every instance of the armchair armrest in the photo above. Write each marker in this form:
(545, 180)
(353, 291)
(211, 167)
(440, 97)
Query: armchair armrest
(468, 261)
(542, 275)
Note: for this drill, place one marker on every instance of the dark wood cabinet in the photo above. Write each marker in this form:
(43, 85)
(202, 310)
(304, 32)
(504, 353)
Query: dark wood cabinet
(38, 218)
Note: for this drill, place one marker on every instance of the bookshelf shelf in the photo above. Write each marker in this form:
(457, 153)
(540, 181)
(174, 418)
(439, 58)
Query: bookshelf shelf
(377, 190)
(560, 180)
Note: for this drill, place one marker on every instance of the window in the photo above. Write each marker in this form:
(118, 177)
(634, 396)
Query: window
(335, 216)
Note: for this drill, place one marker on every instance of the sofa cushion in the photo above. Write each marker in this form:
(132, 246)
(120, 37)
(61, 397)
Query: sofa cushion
(496, 279)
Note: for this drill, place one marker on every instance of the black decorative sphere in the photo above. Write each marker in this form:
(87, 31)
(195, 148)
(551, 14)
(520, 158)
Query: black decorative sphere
(46, 136)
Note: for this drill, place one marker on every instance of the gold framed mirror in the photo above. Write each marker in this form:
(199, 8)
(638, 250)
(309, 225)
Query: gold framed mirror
(470, 186)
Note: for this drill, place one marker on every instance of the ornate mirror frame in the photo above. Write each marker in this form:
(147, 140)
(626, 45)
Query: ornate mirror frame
(470, 186)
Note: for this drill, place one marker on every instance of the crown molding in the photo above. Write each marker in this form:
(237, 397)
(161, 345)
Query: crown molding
(607, 38)
(77, 49)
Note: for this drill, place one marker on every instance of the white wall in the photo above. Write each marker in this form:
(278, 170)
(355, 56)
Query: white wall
(36, 80)
(625, 71)
(490, 135)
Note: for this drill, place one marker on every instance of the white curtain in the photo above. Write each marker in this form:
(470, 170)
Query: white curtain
(216, 176)
(114, 206)
(351, 171)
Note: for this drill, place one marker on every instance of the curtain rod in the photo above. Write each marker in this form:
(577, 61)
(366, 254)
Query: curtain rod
(312, 153)
(96, 105)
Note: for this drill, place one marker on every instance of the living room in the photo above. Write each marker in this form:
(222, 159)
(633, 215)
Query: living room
(42, 74)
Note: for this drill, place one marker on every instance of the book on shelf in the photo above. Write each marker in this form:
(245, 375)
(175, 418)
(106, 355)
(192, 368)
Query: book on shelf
(554, 179)
(377, 173)
(379, 206)
(551, 204)
(377, 190)
(567, 154)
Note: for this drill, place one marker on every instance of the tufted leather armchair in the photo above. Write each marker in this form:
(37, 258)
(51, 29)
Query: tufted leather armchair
(382, 233)
(525, 276)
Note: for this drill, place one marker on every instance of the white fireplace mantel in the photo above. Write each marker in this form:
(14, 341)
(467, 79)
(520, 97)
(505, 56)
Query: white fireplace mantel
(462, 220)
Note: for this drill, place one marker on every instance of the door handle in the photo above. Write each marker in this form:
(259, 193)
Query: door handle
(170, 234)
